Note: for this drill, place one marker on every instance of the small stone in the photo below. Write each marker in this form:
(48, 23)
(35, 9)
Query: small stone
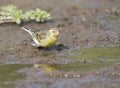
(83, 19)
(114, 84)
(74, 75)
(51, 75)
(25, 43)
(66, 75)
(36, 65)
(12, 48)
(78, 76)
(107, 10)
(97, 72)
(83, 61)
(113, 73)
(119, 74)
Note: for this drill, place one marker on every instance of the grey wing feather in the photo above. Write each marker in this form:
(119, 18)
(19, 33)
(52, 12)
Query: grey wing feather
(40, 35)
(36, 36)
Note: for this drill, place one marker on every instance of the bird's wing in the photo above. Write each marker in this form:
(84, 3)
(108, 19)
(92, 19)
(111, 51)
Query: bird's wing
(40, 36)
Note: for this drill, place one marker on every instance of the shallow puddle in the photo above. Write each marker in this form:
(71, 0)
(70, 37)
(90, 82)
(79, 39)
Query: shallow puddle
(83, 67)
(80, 61)
(90, 58)
(9, 74)
(76, 66)
(85, 59)
(95, 53)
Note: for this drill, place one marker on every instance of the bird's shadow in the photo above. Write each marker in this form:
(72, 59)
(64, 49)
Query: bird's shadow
(58, 47)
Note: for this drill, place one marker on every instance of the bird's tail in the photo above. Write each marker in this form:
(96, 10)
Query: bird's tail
(27, 30)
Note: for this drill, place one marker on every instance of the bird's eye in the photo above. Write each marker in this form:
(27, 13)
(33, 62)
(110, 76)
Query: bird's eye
(53, 31)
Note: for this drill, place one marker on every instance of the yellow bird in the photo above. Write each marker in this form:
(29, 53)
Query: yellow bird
(45, 40)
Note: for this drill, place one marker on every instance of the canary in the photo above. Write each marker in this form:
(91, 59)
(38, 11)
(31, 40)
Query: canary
(44, 40)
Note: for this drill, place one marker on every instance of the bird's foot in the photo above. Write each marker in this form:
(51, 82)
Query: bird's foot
(35, 45)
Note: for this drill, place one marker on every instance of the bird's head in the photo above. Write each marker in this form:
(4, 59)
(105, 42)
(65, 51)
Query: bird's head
(54, 32)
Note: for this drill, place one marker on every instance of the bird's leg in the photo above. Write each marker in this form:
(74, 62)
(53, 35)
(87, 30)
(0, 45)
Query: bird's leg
(35, 45)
